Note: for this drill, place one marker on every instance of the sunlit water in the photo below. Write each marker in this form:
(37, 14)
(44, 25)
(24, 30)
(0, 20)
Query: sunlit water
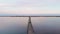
(18, 25)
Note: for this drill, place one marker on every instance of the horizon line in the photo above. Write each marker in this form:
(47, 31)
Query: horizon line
(29, 16)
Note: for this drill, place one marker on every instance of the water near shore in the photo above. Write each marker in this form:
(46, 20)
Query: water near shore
(18, 25)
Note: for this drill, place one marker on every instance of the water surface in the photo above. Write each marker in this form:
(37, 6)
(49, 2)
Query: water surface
(46, 25)
(18, 25)
(13, 25)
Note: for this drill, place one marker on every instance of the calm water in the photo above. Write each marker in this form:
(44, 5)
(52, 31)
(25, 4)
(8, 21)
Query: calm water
(46, 25)
(13, 25)
(18, 25)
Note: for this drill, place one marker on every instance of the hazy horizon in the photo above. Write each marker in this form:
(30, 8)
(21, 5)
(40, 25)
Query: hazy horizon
(29, 14)
(29, 8)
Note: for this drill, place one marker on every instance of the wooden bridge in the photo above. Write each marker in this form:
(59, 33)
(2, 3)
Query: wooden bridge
(30, 27)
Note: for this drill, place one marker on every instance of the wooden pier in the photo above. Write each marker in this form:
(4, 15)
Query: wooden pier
(30, 27)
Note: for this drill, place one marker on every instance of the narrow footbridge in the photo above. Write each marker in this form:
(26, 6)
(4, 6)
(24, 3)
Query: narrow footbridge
(30, 27)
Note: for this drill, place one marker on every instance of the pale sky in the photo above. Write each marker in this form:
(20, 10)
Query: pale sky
(29, 6)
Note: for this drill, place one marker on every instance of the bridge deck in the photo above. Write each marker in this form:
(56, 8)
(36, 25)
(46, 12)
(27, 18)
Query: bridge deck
(30, 28)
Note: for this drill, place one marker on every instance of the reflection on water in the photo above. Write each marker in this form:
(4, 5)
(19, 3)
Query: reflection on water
(46, 25)
(13, 25)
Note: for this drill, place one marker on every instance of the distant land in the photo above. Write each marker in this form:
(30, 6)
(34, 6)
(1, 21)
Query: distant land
(29, 14)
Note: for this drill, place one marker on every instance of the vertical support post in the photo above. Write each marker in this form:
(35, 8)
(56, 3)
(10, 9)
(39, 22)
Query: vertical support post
(30, 28)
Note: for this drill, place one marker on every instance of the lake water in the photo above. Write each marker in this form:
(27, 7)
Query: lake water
(18, 25)
(46, 25)
(13, 25)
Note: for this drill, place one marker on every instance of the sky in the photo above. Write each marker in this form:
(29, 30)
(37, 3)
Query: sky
(29, 6)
